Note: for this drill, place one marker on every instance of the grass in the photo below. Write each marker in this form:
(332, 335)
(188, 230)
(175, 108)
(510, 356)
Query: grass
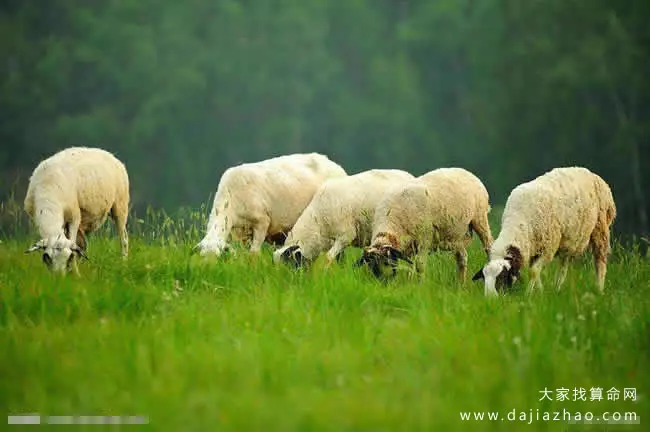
(200, 344)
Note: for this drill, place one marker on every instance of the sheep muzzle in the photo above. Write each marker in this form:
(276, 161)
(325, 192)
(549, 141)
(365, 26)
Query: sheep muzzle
(293, 255)
(384, 256)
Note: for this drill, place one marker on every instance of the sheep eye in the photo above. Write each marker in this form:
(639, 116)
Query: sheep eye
(47, 259)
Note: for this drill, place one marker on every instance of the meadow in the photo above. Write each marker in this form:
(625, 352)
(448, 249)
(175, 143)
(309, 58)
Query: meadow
(241, 344)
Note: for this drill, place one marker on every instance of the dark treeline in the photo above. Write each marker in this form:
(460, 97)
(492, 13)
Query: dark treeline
(182, 90)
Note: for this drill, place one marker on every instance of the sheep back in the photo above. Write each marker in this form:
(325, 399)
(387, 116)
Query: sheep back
(343, 207)
(280, 188)
(557, 211)
(83, 179)
(445, 201)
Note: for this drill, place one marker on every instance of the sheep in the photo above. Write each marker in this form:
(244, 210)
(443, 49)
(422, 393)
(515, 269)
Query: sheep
(559, 213)
(438, 210)
(339, 215)
(264, 199)
(70, 194)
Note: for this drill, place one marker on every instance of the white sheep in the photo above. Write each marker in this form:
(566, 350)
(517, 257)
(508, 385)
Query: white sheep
(559, 214)
(339, 215)
(438, 210)
(264, 198)
(70, 194)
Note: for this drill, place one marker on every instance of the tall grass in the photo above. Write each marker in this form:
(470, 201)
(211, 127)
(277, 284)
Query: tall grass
(241, 344)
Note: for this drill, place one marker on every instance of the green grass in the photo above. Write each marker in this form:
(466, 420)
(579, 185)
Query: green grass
(198, 344)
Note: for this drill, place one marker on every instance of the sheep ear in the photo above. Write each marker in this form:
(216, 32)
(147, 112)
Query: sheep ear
(479, 275)
(41, 244)
(76, 249)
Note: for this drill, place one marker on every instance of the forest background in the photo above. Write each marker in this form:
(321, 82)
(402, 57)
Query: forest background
(180, 91)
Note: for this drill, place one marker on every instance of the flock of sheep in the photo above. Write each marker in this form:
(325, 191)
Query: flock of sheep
(307, 204)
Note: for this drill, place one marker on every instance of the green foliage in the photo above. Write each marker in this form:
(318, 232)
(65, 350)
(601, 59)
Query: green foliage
(196, 344)
(182, 90)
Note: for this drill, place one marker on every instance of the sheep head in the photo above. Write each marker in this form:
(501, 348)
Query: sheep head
(58, 252)
(501, 273)
(382, 260)
(290, 255)
(210, 245)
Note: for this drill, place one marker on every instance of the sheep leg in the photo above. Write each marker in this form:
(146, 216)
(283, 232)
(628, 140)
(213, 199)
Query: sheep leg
(534, 275)
(482, 228)
(81, 242)
(260, 228)
(72, 233)
(461, 263)
(561, 276)
(71, 229)
(337, 249)
(600, 248)
(119, 214)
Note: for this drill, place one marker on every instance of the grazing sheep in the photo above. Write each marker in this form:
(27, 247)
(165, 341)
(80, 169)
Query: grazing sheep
(70, 194)
(339, 215)
(557, 214)
(264, 198)
(438, 210)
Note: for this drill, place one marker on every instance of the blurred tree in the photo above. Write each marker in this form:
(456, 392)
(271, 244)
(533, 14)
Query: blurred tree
(181, 91)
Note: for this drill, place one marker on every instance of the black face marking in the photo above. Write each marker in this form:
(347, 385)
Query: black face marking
(512, 271)
(513, 255)
(47, 259)
(506, 279)
(376, 259)
(375, 264)
(299, 259)
(372, 260)
(286, 254)
(394, 255)
(293, 255)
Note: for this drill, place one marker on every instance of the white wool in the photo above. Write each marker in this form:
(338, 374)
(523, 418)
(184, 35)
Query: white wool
(264, 198)
(72, 193)
(437, 210)
(340, 214)
(559, 213)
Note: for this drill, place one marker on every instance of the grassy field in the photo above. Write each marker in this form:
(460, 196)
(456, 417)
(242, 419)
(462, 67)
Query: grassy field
(199, 344)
